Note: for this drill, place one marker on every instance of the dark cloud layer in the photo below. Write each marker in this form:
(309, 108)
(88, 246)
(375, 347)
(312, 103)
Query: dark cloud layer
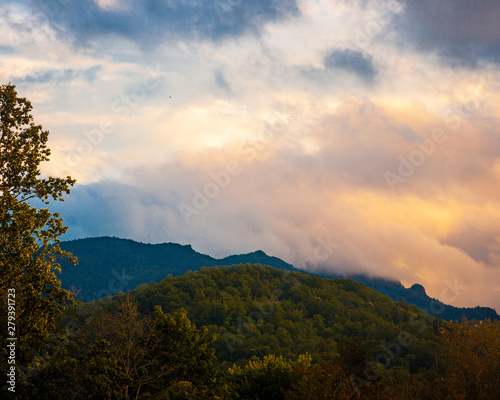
(463, 32)
(221, 82)
(152, 21)
(60, 75)
(6, 50)
(352, 61)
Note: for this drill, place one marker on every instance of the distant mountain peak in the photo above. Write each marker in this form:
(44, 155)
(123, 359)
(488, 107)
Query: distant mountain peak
(182, 246)
(418, 288)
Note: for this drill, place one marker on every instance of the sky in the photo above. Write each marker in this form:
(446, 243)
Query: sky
(351, 136)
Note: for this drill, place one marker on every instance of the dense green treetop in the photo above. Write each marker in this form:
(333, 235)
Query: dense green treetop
(256, 310)
(29, 236)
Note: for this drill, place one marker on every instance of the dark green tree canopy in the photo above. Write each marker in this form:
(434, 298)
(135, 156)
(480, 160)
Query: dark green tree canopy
(29, 236)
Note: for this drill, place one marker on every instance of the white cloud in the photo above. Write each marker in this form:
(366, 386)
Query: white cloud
(113, 5)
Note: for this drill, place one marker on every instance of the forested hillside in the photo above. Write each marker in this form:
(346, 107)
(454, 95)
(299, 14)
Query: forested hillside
(275, 333)
(416, 295)
(110, 265)
(257, 310)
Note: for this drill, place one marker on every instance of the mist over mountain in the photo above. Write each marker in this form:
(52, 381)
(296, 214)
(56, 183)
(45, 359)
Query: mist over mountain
(109, 265)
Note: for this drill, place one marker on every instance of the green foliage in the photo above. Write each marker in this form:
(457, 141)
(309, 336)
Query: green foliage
(29, 237)
(110, 265)
(471, 356)
(265, 378)
(362, 344)
(73, 374)
(256, 311)
(263, 319)
(327, 380)
(185, 349)
(353, 356)
(133, 356)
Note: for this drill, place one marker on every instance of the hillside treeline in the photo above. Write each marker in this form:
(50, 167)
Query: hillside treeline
(255, 332)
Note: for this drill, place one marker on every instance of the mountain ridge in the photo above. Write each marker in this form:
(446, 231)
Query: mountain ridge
(108, 265)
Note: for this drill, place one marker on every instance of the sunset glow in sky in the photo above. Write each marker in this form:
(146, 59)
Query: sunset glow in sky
(237, 125)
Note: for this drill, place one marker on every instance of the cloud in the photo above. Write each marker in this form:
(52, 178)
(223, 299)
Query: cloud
(6, 49)
(288, 192)
(479, 238)
(462, 32)
(352, 61)
(151, 22)
(60, 75)
(221, 82)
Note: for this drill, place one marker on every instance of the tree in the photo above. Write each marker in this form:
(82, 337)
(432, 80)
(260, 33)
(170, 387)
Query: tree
(160, 356)
(472, 357)
(322, 381)
(185, 348)
(78, 372)
(353, 356)
(29, 236)
(134, 343)
(266, 378)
